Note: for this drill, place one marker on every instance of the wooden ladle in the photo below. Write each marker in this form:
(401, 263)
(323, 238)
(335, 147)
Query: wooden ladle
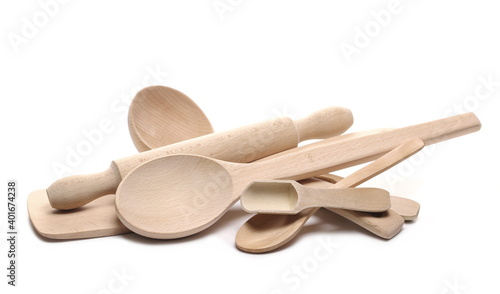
(159, 116)
(290, 197)
(179, 195)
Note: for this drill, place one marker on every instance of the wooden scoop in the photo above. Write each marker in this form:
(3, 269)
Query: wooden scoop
(290, 197)
(159, 116)
(263, 234)
(180, 195)
(244, 144)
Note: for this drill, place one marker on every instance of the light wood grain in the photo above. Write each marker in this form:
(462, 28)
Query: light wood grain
(256, 236)
(159, 116)
(162, 198)
(244, 144)
(405, 207)
(266, 232)
(98, 219)
(290, 197)
(104, 222)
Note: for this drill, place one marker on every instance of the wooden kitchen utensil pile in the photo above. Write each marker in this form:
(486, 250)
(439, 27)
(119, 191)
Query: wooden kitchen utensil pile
(180, 188)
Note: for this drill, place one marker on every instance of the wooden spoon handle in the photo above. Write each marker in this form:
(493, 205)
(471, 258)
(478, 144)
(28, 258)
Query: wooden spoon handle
(359, 199)
(243, 144)
(382, 164)
(408, 209)
(385, 225)
(334, 153)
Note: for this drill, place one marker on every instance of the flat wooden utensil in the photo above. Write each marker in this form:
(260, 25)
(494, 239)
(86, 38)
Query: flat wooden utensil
(179, 195)
(97, 219)
(244, 144)
(290, 197)
(406, 208)
(159, 116)
(263, 234)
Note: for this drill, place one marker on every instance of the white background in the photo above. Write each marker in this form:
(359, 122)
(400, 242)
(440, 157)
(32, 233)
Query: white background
(253, 62)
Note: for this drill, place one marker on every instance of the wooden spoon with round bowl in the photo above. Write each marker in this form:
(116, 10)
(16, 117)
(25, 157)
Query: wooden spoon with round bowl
(160, 116)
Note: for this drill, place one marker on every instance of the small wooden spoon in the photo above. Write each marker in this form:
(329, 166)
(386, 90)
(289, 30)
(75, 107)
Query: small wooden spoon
(179, 195)
(263, 234)
(160, 116)
(290, 197)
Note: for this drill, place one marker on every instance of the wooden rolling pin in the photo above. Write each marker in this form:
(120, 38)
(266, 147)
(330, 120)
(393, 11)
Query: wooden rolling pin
(243, 144)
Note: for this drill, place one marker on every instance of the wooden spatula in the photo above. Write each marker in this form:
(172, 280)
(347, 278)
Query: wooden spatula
(406, 208)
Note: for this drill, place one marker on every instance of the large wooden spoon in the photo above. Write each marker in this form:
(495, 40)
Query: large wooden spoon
(159, 116)
(180, 195)
(263, 233)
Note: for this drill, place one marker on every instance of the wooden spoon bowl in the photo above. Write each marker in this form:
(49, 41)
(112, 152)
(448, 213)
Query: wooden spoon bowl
(159, 196)
(160, 116)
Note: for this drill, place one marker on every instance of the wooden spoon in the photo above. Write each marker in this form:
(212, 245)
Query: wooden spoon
(290, 197)
(180, 195)
(159, 116)
(263, 234)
